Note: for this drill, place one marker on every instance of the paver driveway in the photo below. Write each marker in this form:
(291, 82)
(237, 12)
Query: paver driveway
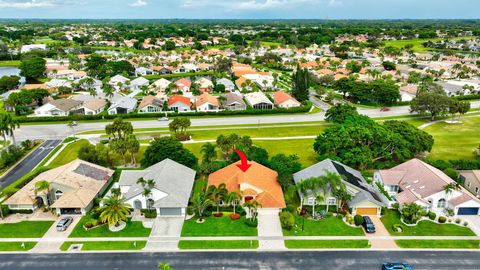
(269, 225)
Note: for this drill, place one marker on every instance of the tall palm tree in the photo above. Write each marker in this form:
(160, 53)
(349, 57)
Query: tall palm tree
(217, 194)
(209, 152)
(252, 207)
(7, 127)
(200, 203)
(233, 198)
(41, 186)
(450, 187)
(114, 210)
(108, 91)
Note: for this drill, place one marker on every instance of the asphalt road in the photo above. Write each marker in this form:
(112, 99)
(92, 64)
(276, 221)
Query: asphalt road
(60, 131)
(332, 260)
(29, 163)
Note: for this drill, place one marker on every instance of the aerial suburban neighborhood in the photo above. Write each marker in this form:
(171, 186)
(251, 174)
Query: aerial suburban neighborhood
(249, 143)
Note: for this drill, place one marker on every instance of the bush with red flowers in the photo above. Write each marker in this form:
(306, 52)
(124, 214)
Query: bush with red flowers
(234, 216)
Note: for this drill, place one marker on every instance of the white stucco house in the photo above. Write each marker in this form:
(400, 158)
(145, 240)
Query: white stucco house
(417, 182)
(170, 194)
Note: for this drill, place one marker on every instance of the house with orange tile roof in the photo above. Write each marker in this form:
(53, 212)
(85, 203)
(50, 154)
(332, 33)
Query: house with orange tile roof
(183, 85)
(257, 183)
(415, 181)
(179, 103)
(207, 103)
(284, 100)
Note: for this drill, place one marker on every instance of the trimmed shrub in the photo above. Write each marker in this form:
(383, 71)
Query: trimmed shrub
(340, 216)
(149, 213)
(287, 220)
(397, 228)
(465, 224)
(234, 216)
(358, 219)
(4, 209)
(457, 221)
(442, 219)
(251, 223)
(329, 214)
(432, 215)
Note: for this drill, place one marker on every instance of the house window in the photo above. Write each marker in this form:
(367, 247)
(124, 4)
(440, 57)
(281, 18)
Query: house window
(150, 203)
(58, 194)
(332, 201)
(442, 203)
(476, 190)
(469, 184)
(311, 201)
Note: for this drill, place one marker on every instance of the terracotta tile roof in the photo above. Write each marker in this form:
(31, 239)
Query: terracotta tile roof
(258, 177)
(177, 98)
(460, 199)
(280, 97)
(240, 73)
(183, 81)
(207, 98)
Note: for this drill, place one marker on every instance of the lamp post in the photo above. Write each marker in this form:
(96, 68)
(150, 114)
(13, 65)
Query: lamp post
(302, 214)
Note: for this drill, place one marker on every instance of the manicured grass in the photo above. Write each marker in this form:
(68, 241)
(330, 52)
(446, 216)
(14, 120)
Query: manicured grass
(69, 153)
(417, 43)
(133, 229)
(331, 226)
(438, 243)
(107, 245)
(424, 227)
(327, 244)
(16, 246)
(222, 226)
(25, 229)
(220, 244)
(9, 63)
(455, 141)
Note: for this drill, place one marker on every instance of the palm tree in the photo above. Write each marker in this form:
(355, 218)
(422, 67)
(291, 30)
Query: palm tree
(41, 186)
(200, 203)
(209, 152)
(7, 126)
(114, 210)
(217, 194)
(450, 187)
(133, 146)
(108, 91)
(252, 207)
(233, 198)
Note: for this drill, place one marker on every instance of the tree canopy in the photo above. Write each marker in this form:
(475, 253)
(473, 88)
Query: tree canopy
(168, 147)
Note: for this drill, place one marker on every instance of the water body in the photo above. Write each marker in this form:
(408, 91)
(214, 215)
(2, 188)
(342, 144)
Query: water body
(10, 71)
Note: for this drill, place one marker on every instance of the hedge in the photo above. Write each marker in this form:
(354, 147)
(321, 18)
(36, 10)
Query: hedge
(24, 119)
(467, 97)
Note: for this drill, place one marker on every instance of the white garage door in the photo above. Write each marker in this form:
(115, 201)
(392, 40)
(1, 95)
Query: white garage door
(177, 211)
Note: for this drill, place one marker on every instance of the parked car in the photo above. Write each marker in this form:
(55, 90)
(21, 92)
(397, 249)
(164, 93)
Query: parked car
(63, 224)
(163, 119)
(368, 225)
(385, 109)
(396, 266)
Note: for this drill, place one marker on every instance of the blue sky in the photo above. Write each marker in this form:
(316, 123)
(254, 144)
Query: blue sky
(241, 9)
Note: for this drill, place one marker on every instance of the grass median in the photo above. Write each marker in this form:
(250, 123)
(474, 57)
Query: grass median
(16, 246)
(218, 244)
(454, 244)
(106, 245)
(299, 244)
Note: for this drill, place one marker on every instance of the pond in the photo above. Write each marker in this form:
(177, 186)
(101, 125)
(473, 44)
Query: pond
(10, 71)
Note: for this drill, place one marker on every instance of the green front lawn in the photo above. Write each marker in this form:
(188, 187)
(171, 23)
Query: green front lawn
(221, 226)
(327, 244)
(438, 243)
(454, 141)
(25, 229)
(69, 153)
(10, 63)
(107, 245)
(331, 226)
(220, 244)
(423, 228)
(16, 246)
(133, 229)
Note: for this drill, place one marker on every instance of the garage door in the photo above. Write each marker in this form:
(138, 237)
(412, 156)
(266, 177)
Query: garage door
(465, 211)
(367, 211)
(170, 211)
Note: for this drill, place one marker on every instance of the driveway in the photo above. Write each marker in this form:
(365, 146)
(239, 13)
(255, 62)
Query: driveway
(51, 240)
(380, 230)
(268, 226)
(473, 223)
(165, 234)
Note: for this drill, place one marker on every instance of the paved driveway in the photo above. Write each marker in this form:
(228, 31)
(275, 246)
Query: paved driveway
(165, 233)
(269, 225)
(473, 222)
(380, 230)
(50, 240)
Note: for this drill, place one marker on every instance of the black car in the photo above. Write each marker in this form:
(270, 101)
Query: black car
(368, 225)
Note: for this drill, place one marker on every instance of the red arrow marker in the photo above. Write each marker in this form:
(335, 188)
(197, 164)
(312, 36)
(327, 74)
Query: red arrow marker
(243, 158)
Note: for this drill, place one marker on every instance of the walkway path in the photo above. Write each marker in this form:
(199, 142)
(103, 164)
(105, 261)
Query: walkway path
(269, 226)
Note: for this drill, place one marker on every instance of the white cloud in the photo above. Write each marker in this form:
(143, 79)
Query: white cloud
(247, 5)
(335, 3)
(138, 3)
(28, 4)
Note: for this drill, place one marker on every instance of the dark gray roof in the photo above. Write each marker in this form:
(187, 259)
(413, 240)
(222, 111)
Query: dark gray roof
(349, 175)
(92, 172)
(172, 178)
